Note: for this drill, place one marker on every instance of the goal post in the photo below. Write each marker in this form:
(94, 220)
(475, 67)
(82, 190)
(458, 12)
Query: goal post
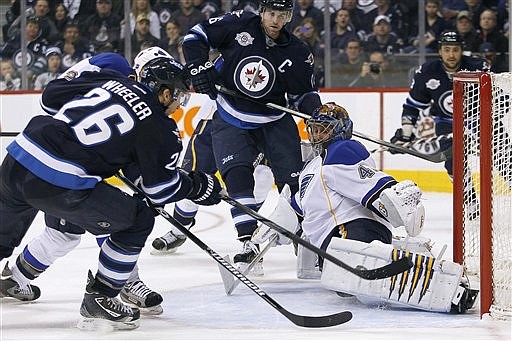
(482, 180)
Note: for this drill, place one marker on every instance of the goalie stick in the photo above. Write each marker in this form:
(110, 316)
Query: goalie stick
(391, 269)
(439, 157)
(8, 133)
(230, 281)
(299, 320)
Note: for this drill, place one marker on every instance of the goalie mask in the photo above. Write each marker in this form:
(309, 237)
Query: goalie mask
(167, 73)
(328, 124)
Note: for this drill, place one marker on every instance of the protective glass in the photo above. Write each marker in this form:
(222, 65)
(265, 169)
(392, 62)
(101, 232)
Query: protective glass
(182, 96)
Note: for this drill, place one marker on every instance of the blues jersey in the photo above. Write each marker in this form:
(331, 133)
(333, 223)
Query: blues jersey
(106, 121)
(432, 87)
(338, 188)
(255, 66)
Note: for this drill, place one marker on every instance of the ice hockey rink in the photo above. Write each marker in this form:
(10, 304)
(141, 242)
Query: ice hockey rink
(197, 308)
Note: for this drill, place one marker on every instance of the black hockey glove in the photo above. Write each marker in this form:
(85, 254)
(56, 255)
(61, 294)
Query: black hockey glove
(206, 189)
(203, 76)
(399, 139)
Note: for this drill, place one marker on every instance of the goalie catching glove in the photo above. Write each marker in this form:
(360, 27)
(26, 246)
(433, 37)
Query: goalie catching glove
(206, 189)
(203, 76)
(284, 216)
(401, 206)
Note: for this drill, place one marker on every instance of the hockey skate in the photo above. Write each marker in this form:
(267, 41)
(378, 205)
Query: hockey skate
(467, 299)
(170, 241)
(10, 288)
(245, 257)
(105, 313)
(139, 295)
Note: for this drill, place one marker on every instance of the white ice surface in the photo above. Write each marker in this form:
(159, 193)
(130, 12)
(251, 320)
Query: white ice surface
(196, 307)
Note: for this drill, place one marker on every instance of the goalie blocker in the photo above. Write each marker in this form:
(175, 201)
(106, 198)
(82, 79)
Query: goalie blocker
(431, 284)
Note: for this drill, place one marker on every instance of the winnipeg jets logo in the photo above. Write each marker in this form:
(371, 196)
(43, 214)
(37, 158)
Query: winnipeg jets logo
(446, 103)
(432, 84)
(254, 76)
(244, 38)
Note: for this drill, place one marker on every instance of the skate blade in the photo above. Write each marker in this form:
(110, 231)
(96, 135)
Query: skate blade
(102, 325)
(156, 252)
(155, 310)
(257, 269)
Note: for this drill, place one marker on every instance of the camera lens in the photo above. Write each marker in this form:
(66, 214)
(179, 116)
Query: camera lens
(375, 67)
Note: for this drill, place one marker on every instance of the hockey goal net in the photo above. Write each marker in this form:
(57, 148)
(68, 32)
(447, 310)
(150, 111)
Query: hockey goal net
(482, 180)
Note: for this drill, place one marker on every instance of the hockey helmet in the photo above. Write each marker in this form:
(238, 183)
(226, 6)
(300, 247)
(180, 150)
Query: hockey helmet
(450, 38)
(147, 55)
(278, 5)
(168, 73)
(329, 123)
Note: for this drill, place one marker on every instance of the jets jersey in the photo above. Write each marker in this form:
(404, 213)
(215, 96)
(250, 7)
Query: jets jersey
(106, 121)
(254, 65)
(432, 87)
(339, 188)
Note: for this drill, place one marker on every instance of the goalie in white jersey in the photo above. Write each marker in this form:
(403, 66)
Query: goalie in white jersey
(349, 208)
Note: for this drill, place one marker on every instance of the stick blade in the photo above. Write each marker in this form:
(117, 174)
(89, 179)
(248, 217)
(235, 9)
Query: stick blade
(319, 321)
(392, 269)
(227, 277)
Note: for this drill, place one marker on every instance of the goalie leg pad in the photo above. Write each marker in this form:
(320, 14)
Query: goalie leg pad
(429, 285)
(307, 263)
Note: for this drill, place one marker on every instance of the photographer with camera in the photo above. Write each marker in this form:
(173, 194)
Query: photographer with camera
(372, 72)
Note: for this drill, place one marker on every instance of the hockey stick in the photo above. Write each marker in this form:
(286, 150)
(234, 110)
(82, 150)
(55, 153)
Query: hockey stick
(230, 282)
(299, 320)
(8, 134)
(391, 269)
(440, 157)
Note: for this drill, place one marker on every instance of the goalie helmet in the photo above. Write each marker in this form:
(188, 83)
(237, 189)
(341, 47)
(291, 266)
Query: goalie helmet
(328, 124)
(168, 73)
(148, 55)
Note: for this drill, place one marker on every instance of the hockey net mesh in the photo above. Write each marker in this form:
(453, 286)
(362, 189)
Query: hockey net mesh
(501, 182)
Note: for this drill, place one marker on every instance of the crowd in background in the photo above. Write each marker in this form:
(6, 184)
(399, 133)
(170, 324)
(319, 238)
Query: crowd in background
(367, 38)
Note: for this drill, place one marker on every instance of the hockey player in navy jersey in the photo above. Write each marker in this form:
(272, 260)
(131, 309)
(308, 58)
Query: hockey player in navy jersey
(106, 122)
(263, 61)
(432, 88)
(60, 236)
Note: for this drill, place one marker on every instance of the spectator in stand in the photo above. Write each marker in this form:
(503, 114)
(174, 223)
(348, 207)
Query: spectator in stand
(208, 8)
(74, 47)
(54, 59)
(307, 31)
(9, 78)
(372, 74)
(173, 38)
(489, 31)
(11, 14)
(346, 66)
(434, 26)
(187, 15)
(475, 9)
(488, 52)
(358, 19)
(142, 7)
(164, 8)
(343, 31)
(451, 9)
(36, 47)
(61, 19)
(393, 12)
(102, 29)
(48, 29)
(464, 26)
(383, 39)
(306, 9)
(142, 37)
(78, 9)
